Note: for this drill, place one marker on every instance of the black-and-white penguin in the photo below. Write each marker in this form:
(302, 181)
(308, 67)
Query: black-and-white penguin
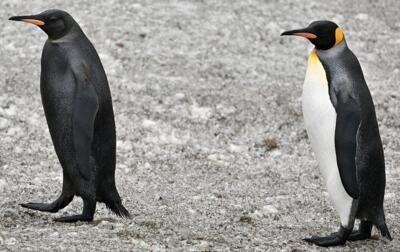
(340, 119)
(77, 103)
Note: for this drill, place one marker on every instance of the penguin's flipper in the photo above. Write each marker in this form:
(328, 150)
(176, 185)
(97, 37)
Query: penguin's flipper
(347, 123)
(84, 114)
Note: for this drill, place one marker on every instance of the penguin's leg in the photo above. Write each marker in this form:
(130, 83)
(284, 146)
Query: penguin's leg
(65, 198)
(88, 194)
(346, 207)
(87, 190)
(89, 207)
(363, 232)
(105, 156)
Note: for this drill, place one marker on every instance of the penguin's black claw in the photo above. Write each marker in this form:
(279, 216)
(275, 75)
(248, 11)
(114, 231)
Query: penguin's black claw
(74, 218)
(40, 207)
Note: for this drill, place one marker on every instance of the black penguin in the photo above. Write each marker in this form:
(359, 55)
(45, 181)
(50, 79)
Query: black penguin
(341, 123)
(77, 103)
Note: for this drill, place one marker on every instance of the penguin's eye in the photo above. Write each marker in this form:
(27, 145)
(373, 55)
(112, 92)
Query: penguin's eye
(51, 19)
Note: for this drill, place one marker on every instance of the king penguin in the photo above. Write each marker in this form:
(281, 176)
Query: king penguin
(78, 107)
(341, 124)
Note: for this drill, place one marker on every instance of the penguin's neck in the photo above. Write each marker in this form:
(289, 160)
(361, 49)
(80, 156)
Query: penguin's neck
(71, 35)
(335, 50)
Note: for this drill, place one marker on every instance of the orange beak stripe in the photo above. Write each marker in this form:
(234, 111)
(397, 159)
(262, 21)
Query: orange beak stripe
(34, 21)
(306, 35)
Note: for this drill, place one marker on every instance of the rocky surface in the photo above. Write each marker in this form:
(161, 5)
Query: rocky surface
(212, 150)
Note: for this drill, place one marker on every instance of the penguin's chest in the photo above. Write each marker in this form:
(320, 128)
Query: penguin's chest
(320, 116)
(320, 120)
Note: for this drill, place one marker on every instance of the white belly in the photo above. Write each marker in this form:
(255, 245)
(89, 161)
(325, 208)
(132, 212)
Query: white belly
(320, 120)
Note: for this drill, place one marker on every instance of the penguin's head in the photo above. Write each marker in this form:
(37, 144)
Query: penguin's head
(55, 23)
(323, 34)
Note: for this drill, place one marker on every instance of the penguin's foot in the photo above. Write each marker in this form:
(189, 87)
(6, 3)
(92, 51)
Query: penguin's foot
(363, 232)
(52, 208)
(74, 218)
(61, 202)
(358, 235)
(335, 239)
(89, 207)
(326, 241)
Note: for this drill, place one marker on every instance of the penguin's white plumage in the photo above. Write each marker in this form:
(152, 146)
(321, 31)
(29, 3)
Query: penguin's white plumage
(320, 121)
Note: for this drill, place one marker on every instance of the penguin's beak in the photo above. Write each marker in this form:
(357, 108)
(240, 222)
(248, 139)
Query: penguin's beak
(306, 33)
(35, 19)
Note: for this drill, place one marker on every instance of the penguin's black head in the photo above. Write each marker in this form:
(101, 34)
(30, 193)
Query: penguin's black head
(55, 23)
(323, 34)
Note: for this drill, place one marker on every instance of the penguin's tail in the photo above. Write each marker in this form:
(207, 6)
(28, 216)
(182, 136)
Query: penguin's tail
(117, 208)
(384, 230)
(380, 223)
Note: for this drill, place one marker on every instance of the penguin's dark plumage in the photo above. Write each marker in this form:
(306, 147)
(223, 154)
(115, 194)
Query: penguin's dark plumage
(78, 107)
(341, 123)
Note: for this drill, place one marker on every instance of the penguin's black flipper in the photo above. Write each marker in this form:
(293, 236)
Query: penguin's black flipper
(347, 122)
(85, 109)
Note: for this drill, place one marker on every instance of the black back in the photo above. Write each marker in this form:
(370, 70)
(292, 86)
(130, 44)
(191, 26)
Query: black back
(357, 140)
(75, 93)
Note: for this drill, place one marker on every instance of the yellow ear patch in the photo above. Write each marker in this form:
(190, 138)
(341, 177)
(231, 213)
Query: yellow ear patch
(338, 36)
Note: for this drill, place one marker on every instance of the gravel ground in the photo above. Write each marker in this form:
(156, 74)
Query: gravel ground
(212, 150)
